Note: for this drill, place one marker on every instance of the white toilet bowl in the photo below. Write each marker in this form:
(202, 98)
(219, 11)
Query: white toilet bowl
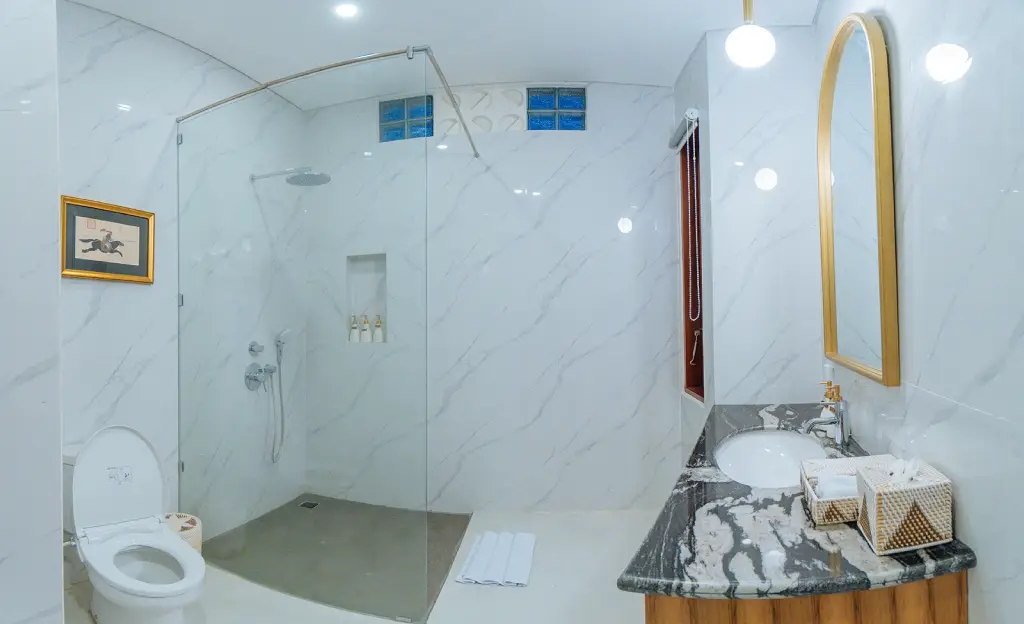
(141, 571)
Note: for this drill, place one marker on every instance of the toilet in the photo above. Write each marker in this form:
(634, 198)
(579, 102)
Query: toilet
(141, 571)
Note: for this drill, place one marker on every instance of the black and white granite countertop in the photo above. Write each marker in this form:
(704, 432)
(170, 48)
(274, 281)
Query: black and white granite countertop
(716, 538)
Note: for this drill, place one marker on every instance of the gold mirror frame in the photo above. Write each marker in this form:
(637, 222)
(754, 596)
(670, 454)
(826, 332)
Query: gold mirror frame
(890, 373)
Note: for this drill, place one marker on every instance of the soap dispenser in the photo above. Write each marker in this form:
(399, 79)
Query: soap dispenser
(365, 335)
(353, 332)
(827, 410)
(378, 330)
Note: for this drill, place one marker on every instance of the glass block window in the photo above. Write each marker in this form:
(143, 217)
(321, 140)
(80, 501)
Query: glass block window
(410, 118)
(561, 108)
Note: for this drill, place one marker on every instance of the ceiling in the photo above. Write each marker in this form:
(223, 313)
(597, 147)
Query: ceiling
(475, 41)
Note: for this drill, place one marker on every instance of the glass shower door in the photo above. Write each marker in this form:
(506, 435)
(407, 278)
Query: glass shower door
(302, 226)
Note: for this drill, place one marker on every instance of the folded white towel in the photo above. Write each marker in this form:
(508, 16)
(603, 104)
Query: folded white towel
(495, 571)
(464, 572)
(498, 559)
(830, 487)
(517, 574)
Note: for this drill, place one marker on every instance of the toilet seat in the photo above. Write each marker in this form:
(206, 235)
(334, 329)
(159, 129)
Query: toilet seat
(117, 501)
(101, 557)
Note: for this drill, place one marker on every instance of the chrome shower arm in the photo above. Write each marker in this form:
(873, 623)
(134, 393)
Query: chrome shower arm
(283, 172)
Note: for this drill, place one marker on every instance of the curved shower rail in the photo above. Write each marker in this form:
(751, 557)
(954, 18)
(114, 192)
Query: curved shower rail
(409, 52)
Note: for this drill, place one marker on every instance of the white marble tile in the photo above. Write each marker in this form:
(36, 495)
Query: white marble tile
(571, 580)
(552, 373)
(30, 528)
(767, 339)
(120, 341)
(242, 255)
(959, 247)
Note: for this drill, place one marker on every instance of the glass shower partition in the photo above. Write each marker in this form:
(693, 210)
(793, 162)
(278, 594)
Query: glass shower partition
(302, 337)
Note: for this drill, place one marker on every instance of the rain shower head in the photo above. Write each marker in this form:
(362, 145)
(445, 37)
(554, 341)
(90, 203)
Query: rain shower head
(303, 176)
(308, 178)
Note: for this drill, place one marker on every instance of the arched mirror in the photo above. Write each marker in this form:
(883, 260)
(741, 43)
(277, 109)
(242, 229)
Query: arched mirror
(857, 211)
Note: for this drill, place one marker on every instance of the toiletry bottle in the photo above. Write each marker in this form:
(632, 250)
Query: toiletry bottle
(353, 332)
(365, 335)
(378, 330)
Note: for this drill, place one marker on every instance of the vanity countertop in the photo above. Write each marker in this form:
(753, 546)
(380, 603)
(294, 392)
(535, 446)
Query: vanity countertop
(716, 538)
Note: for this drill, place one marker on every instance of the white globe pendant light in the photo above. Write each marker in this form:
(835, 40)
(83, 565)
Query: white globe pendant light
(750, 46)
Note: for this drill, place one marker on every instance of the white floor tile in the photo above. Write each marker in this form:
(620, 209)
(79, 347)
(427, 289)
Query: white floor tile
(577, 559)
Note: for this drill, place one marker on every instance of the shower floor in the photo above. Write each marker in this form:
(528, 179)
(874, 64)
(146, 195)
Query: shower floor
(364, 558)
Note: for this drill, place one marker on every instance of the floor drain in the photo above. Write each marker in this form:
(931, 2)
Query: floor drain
(309, 505)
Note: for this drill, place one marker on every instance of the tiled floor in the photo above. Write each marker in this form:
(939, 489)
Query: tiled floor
(369, 559)
(579, 555)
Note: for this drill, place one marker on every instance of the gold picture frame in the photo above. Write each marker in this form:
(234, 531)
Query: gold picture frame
(105, 241)
(889, 374)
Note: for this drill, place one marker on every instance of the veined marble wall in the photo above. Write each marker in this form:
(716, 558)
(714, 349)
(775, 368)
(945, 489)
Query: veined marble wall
(30, 477)
(959, 224)
(553, 361)
(120, 341)
(764, 344)
(243, 247)
(768, 340)
(367, 402)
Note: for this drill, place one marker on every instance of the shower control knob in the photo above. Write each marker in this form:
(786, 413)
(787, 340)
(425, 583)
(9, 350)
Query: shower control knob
(255, 348)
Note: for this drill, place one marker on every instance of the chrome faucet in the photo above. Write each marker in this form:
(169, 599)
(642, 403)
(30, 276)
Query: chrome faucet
(835, 403)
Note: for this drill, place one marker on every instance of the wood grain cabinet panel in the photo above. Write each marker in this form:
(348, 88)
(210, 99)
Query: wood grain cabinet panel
(941, 600)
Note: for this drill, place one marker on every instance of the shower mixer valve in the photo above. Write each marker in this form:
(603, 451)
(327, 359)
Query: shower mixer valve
(256, 376)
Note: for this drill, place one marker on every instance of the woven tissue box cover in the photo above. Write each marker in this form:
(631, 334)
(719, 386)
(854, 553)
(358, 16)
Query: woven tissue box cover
(836, 510)
(897, 517)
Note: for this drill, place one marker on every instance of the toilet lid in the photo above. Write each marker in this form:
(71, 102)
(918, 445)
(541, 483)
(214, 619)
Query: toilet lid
(117, 479)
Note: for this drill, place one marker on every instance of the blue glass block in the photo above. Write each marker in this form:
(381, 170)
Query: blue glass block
(540, 99)
(572, 121)
(421, 129)
(392, 111)
(572, 99)
(392, 132)
(420, 107)
(540, 121)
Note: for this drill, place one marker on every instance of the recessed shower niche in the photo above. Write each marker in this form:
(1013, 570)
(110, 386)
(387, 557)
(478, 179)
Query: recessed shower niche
(367, 278)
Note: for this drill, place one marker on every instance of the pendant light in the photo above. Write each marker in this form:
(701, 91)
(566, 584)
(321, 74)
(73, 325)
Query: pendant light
(750, 46)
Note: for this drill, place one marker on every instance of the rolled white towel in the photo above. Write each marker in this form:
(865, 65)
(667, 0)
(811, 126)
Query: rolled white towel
(830, 487)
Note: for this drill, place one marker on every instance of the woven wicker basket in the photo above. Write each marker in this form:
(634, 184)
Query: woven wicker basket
(189, 528)
(897, 517)
(838, 510)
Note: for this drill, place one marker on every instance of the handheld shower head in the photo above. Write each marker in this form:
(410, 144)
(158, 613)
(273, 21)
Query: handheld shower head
(282, 338)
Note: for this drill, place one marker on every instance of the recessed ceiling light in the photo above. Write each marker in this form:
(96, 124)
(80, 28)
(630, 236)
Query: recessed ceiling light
(348, 11)
(367, 153)
(442, 147)
(519, 191)
(536, 193)
(738, 163)
(625, 225)
(124, 107)
(26, 102)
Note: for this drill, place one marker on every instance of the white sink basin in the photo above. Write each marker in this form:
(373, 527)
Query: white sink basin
(767, 459)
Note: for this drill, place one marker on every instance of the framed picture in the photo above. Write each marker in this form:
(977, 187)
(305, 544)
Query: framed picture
(103, 241)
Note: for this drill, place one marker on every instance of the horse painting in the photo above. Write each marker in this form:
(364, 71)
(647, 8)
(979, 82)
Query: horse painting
(105, 245)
